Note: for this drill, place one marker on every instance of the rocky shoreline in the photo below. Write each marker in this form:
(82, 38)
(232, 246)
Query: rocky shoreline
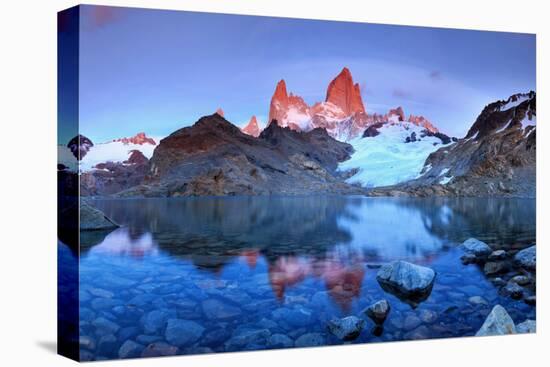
(163, 318)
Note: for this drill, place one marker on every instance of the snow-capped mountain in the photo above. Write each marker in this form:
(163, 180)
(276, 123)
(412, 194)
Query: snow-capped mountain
(391, 152)
(343, 113)
(117, 151)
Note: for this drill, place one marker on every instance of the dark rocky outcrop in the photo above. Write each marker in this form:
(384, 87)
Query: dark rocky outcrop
(214, 157)
(112, 177)
(372, 130)
(92, 219)
(79, 146)
(496, 158)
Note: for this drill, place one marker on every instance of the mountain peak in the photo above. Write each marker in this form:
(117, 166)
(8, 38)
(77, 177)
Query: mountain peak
(280, 91)
(138, 139)
(252, 128)
(219, 111)
(344, 93)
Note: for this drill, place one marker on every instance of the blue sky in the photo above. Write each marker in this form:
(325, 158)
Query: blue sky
(157, 71)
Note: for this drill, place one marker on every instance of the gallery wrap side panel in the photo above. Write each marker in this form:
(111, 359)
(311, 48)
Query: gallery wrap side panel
(68, 24)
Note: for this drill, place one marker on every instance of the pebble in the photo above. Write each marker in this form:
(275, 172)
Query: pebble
(497, 255)
(215, 309)
(521, 279)
(280, 341)
(492, 267)
(427, 316)
(87, 342)
(104, 326)
(107, 345)
(347, 328)
(154, 321)
(159, 349)
(512, 290)
(309, 340)
(98, 292)
(411, 322)
(182, 332)
(130, 349)
(478, 300)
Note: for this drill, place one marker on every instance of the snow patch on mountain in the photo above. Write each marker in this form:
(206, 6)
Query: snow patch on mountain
(513, 103)
(386, 159)
(114, 151)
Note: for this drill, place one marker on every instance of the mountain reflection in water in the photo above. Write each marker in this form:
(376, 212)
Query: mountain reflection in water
(255, 261)
(329, 238)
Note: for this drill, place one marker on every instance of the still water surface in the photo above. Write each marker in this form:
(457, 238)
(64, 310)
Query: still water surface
(264, 272)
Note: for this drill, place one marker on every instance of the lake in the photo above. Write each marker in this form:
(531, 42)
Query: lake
(250, 273)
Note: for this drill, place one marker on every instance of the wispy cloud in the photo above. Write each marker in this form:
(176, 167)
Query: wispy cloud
(401, 93)
(101, 16)
(435, 75)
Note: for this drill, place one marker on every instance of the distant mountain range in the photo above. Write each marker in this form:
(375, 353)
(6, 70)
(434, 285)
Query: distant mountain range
(343, 114)
(333, 146)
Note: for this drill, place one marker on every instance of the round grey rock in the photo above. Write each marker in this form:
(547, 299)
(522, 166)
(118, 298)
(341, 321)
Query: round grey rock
(476, 247)
(405, 279)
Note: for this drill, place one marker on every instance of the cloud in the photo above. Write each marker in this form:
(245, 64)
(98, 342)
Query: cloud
(435, 75)
(101, 16)
(401, 93)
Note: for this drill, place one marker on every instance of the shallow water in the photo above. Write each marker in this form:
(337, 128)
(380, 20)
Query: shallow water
(264, 272)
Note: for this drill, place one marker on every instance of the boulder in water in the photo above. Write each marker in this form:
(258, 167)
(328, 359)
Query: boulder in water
(498, 322)
(92, 219)
(409, 282)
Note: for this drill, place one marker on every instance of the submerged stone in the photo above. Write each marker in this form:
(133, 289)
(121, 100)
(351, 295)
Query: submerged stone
(215, 309)
(159, 349)
(182, 332)
(310, 340)
(130, 349)
(280, 341)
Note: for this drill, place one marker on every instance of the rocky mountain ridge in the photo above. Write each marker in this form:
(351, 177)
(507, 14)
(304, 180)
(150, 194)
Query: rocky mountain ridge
(496, 157)
(213, 157)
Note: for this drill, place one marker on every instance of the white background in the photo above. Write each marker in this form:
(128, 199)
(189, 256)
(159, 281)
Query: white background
(28, 186)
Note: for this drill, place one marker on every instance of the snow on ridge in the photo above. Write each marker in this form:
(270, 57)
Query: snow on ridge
(386, 159)
(526, 122)
(114, 151)
(512, 104)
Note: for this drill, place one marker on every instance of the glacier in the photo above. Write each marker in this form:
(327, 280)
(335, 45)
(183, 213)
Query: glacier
(386, 159)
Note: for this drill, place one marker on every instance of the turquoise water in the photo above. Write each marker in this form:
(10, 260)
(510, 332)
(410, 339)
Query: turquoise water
(248, 273)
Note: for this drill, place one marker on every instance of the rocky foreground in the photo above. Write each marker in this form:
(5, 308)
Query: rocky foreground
(163, 319)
